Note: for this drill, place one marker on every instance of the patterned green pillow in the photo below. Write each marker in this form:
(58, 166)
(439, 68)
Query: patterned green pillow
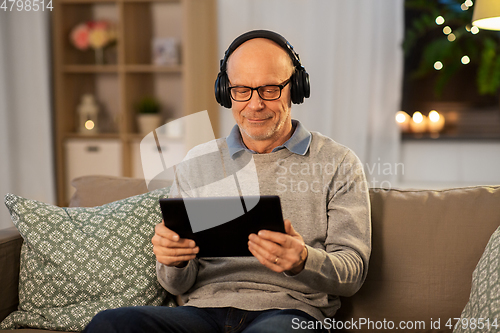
(76, 262)
(482, 312)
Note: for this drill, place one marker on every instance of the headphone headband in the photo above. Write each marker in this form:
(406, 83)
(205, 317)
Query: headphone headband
(267, 34)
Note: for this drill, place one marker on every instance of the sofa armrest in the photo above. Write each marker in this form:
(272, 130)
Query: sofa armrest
(10, 250)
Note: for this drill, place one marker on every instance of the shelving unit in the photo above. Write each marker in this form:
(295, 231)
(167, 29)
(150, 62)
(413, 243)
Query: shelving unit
(129, 73)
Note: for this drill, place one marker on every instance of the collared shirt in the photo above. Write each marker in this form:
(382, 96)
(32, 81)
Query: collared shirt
(298, 143)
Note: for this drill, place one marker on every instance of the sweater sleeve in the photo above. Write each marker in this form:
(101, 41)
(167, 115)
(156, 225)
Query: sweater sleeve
(175, 280)
(341, 267)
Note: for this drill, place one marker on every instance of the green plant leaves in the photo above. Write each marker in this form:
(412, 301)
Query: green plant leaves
(148, 104)
(483, 48)
(488, 76)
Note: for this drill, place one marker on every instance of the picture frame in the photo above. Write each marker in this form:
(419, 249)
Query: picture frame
(165, 51)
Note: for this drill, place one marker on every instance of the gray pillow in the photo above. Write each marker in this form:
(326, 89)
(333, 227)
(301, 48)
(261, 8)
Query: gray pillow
(482, 312)
(78, 261)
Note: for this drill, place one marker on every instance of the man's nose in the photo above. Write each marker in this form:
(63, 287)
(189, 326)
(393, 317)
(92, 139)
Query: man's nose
(256, 102)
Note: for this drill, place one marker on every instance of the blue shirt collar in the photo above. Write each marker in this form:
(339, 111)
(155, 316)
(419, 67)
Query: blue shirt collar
(298, 143)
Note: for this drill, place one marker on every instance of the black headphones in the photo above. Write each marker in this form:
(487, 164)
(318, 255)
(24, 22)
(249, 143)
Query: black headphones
(299, 81)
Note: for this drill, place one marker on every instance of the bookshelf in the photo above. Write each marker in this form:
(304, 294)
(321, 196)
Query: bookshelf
(127, 75)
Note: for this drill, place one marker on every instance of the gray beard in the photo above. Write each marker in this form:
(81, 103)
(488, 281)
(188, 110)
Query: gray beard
(266, 135)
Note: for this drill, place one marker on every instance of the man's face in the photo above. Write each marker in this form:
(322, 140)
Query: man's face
(255, 63)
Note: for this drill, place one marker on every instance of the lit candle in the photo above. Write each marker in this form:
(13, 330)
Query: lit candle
(418, 123)
(436, 122)
(403, 120)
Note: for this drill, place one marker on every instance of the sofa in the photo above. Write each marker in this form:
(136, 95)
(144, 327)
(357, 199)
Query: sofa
(426, 245)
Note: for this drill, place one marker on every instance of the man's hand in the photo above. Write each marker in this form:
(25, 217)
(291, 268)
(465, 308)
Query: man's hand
(279, 252)
(170, 249)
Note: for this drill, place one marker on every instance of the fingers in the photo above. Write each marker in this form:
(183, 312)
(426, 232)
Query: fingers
(275, 237)
(167, 242)
(278, 251)
(163, 231)
(170, 249)
(289, 228)
(272, 255)
(170, 238)
(174, 256)
(263, 259)
(268, 249)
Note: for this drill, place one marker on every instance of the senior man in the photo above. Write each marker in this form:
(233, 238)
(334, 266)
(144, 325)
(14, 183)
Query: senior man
(293, 280)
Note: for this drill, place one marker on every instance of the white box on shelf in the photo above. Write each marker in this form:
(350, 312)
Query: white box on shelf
(91, 157)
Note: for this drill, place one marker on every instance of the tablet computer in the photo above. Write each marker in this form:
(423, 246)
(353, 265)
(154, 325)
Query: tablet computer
(220, 226)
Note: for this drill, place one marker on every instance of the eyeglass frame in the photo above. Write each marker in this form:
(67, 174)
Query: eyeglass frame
(281, 86)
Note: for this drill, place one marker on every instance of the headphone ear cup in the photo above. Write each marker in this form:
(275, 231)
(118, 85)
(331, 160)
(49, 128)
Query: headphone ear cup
(226, 95)
(296, 88)
(222, 90)
(306, 86)
(217, 89)
(300, 88)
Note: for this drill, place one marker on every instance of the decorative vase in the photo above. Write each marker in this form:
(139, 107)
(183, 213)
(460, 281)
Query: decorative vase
(148, 122)
(99, 56)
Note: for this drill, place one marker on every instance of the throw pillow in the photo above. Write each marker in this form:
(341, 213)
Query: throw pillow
(97, 190)
(78, 261)
(482, 312)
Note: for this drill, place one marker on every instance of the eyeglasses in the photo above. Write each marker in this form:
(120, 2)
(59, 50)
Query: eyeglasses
(267, 93)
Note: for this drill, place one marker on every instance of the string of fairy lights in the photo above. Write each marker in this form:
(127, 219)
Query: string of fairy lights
(447, 31)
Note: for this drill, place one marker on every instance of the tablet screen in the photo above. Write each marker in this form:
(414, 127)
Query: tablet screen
(220, 225)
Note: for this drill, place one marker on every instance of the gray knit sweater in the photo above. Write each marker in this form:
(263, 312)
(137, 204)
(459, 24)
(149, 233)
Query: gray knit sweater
(323, 193)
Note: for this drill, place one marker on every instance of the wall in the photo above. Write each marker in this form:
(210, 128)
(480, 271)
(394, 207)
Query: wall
(444, 164)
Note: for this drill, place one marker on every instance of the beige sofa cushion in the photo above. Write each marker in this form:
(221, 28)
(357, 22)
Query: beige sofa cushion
(94, 191)
(426, 245)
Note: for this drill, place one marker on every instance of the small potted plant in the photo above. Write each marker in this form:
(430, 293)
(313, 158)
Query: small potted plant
(148, 114)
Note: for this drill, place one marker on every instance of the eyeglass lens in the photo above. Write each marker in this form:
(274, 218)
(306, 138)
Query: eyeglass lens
(243, 94)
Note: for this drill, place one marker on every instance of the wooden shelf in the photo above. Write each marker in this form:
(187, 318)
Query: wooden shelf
(134, 137)
(177, 69)
(451, 137)
(85, 1)
(91, 69)
(146, 1)
(113, 1)
(97, 136)
(130, 75)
